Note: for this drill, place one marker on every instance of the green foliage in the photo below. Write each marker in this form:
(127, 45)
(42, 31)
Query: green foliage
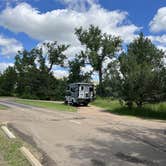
(55, 53)
(151, 111)
(7, 82)
(35, 78)
(75, 72)
(140, 76)
(32, 76)
(99, 47)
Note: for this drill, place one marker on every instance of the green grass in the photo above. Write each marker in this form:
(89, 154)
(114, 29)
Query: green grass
(10, 150)
(2, 107)
(49, 105)
(153, 111)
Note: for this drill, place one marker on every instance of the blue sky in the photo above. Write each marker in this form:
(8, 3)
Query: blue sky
(26, 23)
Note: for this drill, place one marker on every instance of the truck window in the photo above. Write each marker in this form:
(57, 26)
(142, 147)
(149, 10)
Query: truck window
(82, 88)
(91, 89)
(72, 89)
(68, 93)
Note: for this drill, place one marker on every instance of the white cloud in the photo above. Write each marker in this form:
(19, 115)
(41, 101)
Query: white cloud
(160, 39)
(9, 46)
(58, 73)
(161, 47)
(4, 65)
(87, 69)
(80, 5)
(60, 24)
(159, 21)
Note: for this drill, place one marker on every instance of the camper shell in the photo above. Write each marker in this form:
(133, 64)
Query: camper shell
(79, 93)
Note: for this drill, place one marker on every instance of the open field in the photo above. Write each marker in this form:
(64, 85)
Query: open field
(154, 111)
(49, 105)
(10, 150)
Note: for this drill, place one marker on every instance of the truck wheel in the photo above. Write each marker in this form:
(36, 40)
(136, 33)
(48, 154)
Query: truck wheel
(66, 102)
(73, 103)
(85, 104)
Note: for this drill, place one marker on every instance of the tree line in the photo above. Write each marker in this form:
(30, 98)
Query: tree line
(135, 74)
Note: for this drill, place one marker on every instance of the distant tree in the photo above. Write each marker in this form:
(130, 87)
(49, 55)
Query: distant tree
(99, 47)
(141, 68)
(8, 82)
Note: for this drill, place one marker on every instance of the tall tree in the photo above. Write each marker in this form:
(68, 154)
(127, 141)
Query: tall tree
(99, 47)
(26, 68)
(34, 70)
(141, 67)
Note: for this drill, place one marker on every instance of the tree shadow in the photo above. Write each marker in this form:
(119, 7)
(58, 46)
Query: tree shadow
(114, 148)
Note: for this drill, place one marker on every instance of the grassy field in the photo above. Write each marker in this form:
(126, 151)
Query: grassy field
(9, 149)
(153, 111)
(49, 105)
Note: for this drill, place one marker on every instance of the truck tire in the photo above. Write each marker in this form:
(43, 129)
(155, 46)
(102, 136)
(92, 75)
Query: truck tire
(66, 102)
(85, 104)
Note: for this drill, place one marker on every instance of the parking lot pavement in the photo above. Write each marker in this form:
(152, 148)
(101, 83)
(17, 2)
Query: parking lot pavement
(89, 137)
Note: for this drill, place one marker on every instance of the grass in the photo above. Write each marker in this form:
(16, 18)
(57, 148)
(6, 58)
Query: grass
(10, 150)
(152, 111)
(2, 107)
(45, 104)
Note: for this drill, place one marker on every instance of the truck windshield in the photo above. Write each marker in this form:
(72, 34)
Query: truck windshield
(91, 89)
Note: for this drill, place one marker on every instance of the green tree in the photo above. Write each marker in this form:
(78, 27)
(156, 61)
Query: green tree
(99, 47)
(55, 54)
(26, 69)
(141, 67)
(75, 71)
(112, 80)
(8, 82)
(34, 69)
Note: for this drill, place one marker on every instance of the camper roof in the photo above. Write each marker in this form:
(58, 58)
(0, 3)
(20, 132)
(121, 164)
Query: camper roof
(81, 83)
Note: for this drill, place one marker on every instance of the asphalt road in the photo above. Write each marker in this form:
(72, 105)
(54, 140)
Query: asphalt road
(90, 137)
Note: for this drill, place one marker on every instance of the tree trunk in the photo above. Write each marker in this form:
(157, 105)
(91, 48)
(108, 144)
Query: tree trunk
(129, 104)
(50, 68)
(100, 82)
(139, 104)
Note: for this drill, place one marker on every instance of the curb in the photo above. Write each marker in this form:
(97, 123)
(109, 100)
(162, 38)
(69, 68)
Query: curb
(29, 156)
(8, 132)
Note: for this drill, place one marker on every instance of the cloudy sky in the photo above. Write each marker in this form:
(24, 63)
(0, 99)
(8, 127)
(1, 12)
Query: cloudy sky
(26, 23)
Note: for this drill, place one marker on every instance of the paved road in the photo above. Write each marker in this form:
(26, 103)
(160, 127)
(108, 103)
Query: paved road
(90, 137)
